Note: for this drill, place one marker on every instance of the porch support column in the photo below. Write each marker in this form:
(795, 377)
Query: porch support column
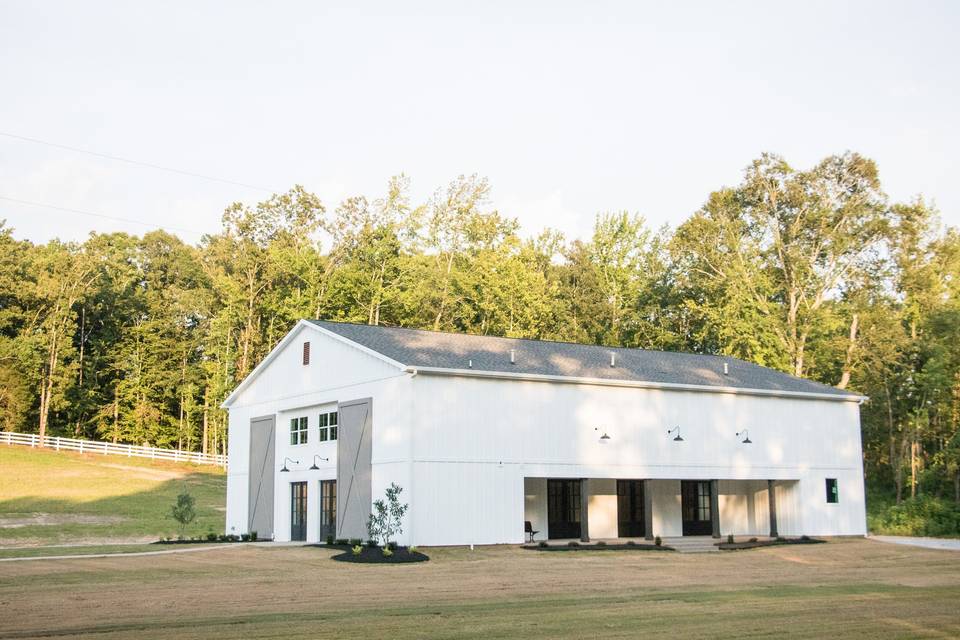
(715, 507)
(584, 519)
(648, 510)
(772, 498)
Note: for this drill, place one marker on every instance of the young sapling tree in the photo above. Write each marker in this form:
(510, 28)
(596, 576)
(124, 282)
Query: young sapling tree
(386, 521)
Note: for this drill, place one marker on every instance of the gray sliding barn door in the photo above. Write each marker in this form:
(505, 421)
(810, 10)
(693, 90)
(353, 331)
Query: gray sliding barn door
(262, 468)
(354, 450)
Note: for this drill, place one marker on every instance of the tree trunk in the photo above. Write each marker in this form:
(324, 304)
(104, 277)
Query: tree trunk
(851, 350)
(206, 419)
(116, 413)
(46, 382)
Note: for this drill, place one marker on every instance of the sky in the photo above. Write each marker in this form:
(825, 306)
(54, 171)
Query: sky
(569, 109)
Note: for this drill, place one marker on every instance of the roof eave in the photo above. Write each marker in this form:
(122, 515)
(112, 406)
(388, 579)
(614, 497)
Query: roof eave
(639, 384)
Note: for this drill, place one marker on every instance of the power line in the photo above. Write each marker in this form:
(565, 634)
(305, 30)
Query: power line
(100, 215)
(139, 163)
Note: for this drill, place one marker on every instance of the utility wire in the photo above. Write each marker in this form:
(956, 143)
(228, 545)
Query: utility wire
(138, 163)
(101, 215)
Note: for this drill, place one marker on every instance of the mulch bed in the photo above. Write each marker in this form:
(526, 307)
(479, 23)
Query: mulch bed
(602, 547)
(736, 546)
(374, 555)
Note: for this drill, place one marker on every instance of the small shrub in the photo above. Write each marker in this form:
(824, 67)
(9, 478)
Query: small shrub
(356, 542)
(805, 538)
(330, 540)
(183, 511)
(781, 539)
(412, 549)
(253, 536)
(729, 538)
(245, 537)
(357, 550)
(601, 543)
(573, 543)
(631, 543)
(387, 552)
(657, 541)
(392, 546)
(543, 544)
(753, 539)
(372, 543)
(222, 537)
(342, 542)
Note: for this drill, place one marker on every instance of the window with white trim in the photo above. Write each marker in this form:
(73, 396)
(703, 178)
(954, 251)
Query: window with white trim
(298, 430)
(328, 426)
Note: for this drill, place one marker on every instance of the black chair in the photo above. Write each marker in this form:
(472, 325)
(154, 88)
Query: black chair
(528, 529)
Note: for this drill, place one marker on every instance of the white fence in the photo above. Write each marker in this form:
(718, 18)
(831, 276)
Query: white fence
(108, 448)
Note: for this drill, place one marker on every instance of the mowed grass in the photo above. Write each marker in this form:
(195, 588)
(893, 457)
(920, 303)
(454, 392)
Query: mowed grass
(91, 550)
(55, 498)
(848, 589)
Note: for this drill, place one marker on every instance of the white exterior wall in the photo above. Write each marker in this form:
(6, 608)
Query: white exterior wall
(472, 454)
(337, 372)
(483, 447)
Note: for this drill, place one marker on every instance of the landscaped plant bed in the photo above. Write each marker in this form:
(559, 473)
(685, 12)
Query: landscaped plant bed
(736, 546)
(210, 539)
(375, 555)
(200, 541)
(586, 546)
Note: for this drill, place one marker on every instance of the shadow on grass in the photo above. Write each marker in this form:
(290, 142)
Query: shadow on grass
(138, 515)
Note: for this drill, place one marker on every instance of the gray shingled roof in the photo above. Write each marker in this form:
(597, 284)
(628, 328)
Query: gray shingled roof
(418, 348)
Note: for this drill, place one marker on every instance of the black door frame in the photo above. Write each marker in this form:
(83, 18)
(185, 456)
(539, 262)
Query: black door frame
(298, 511)
(328, 509)
(631, 521)
(696, 506)
(563, 508)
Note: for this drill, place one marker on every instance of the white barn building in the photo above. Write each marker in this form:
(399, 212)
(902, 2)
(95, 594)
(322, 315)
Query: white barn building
(488, 434)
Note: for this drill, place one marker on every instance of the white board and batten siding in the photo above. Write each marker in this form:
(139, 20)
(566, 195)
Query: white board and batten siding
(502, 431)
(472, 454)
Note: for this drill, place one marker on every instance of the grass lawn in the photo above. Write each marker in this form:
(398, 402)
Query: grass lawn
(55, 498)
(847, 588)
(89, 550)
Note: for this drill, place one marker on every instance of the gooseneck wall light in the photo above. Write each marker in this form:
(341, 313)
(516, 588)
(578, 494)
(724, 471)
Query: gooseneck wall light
(284, 469)
(604, 439)
(678, 437)
(746, 436)
(314, 466)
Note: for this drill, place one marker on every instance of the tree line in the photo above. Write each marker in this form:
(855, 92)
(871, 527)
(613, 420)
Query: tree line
(813, 272)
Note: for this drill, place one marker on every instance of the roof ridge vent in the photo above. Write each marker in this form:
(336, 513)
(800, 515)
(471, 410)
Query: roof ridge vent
(513, 356)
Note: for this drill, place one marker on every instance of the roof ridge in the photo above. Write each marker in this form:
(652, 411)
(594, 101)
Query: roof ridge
(541, 340)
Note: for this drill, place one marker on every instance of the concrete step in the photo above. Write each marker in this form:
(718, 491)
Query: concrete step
(693, 544)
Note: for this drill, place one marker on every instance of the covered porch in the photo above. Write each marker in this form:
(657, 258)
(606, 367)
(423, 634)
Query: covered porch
(623, 508)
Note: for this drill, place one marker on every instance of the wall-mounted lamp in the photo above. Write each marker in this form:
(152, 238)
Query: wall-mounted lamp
(284, 469)
(678, 438)
(746, 436)
(314, 466)
(604, 439)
